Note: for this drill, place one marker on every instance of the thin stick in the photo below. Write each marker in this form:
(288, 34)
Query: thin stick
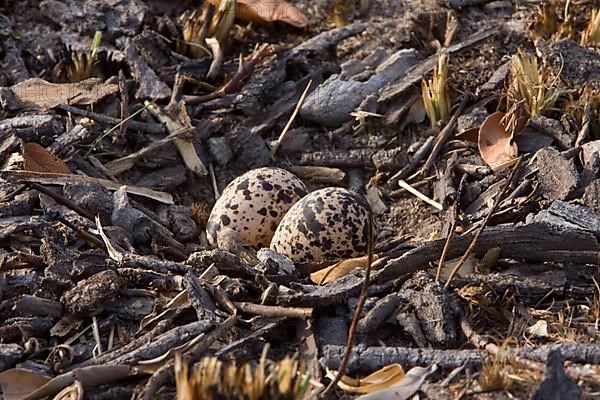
(61, 200)
(105, 119)
(244, 70)
(438, 272)
(285, 130)
(454, 217)
(412, 164)
(585, 125)
(274, 311)
(484, 224)
(359, 307)
(444, 134)
(420, 195)
(213, 180)
(96, 332)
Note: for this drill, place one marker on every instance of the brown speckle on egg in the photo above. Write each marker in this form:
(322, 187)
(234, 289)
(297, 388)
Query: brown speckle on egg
(330, 223)
(253, 204)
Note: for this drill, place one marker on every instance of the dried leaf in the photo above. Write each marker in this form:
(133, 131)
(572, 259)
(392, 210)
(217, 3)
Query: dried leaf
(539, 329)
(469, 135)
(266, 11)
(411, 382)
(495, 143)
(386, 377)
(467, 269)
(38, 93)
(176, 124)
(339, 269)
(91, 376)
(16, 383)
(112, 252)
(177, 302)
(71, 392)
(51, 178)
(38, 159)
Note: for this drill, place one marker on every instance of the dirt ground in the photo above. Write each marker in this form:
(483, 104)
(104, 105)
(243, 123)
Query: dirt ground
(477, 276)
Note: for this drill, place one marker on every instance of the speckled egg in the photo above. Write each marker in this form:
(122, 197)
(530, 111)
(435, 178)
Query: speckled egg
(253, 204)
(330, 223)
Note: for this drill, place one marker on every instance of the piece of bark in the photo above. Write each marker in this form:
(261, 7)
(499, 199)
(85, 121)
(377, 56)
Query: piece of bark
(136, 277)
(219, 149)
(150, 86)
(552, 243)
(31, 128)
(37, 306)
(435, 309)
(334, 292)
(163, 179)
(67, 141)
(374, 358)
(115, 18)
(533, 282)
(556, 384)
(326, 40)
(10, 353)
(331, 330)
(15, 225)
(200, 299)
(92, 197)
(132, 308)
(580, 353)
(409, 322)
(326, 175)
(90, 295)
(552, 128)
(571, 216)
(416, 73)
(163, 343)
(57, 257)
(557, 176)
(591, 197)
(333, 101)
(22, 328)
(530, 140)
(462, 3)
(13, 62)
(21, 205)
(250, 150)
(381, 311)
(151, 263)
(136, 343)
(366, 157)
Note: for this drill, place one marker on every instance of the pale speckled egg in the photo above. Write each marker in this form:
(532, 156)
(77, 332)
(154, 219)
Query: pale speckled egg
(253, 204)
(330, 223)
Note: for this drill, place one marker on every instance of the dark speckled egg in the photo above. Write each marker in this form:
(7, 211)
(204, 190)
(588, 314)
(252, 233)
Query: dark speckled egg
(330, 223)
(253, 204)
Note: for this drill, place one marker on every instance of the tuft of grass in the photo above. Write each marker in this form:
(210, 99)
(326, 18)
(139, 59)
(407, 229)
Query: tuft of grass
(79, 67)
(532, 87)
(493, 374)
(203, 23)
(435, 92)
(591, 34)
(213, 379)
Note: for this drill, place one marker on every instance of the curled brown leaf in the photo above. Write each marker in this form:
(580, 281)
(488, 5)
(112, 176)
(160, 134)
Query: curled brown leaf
(495, 143)
(267, 11)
